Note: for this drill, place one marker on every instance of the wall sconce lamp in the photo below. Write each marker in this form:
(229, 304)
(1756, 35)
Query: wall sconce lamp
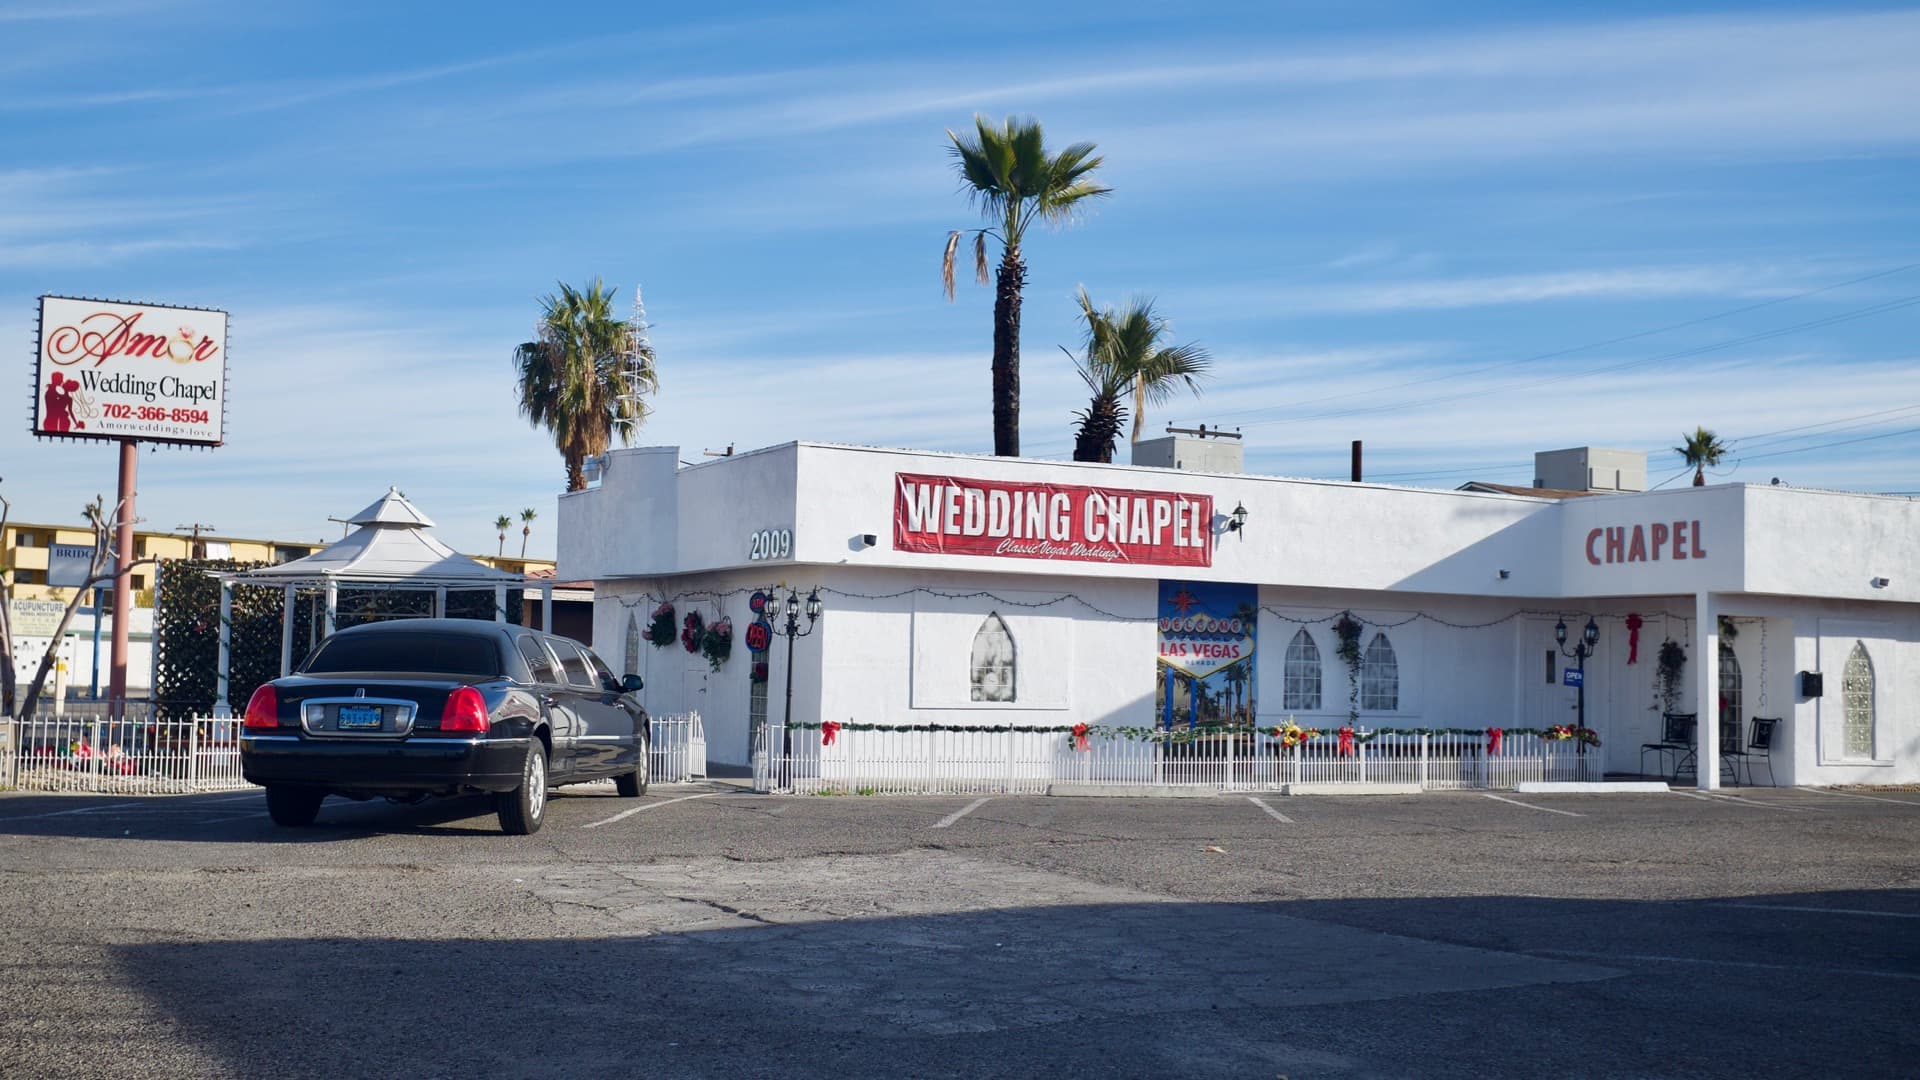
(1880, 583)
(1505, 574)
(1239, 518)
(868, 539)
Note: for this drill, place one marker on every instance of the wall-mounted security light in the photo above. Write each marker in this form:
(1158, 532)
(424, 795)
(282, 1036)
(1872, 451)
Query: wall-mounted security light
(1505, 574)
(868, 539)
(1880, 583)
(1238, 518)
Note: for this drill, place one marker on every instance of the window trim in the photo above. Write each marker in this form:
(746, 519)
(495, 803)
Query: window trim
(1294, 654)
(1393, 655)
(974, 670)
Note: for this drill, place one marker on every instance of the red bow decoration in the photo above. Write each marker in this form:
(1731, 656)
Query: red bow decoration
(1346, 742)
(1633, 637)
(1494, 735)
(1080, 737)
(829, 730)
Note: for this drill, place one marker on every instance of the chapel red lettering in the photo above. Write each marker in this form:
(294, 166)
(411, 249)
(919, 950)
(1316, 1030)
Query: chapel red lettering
(1646, 543)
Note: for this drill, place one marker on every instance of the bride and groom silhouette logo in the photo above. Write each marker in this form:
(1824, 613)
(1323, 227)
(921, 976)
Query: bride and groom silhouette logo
(68, 407)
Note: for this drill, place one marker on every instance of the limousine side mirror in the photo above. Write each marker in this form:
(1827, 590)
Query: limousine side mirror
(632, 684)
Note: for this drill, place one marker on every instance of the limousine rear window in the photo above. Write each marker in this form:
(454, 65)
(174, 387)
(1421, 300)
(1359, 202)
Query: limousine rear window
(438, 654)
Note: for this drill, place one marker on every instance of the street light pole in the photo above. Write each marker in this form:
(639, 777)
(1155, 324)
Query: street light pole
(1582, 649)
(792, 608)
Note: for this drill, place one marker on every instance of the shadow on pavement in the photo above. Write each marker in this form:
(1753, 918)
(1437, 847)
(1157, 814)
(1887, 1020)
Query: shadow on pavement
(1482, 986)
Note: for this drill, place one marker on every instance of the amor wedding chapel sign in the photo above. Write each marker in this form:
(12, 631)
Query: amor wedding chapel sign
(950, 515)
(107, 370)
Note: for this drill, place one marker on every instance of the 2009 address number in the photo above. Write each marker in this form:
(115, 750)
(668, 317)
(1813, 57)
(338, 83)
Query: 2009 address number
(771, 544)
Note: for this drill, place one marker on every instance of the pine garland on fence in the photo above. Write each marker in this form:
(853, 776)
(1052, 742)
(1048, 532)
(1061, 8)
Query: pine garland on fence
(1204, 731)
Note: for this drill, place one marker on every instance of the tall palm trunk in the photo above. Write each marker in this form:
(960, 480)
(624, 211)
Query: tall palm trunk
(525, 531)
(1699, 476)
(576, 470)
(1011, 281)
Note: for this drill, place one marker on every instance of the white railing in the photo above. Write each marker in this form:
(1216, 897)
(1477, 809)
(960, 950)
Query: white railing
(1015, 761)
(138, 754)
(679, 749)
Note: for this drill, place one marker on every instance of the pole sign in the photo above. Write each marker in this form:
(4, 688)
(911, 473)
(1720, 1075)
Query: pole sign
(109, 370)
(67, 565)
(949, 515)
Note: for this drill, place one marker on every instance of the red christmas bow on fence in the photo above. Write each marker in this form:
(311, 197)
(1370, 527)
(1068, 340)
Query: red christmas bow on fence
(1494, 735)
(829, 731)
(1080, 737)
(1346, 742)
(1633, 637)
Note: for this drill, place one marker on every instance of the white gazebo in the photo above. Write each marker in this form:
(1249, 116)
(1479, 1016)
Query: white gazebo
(390, 549)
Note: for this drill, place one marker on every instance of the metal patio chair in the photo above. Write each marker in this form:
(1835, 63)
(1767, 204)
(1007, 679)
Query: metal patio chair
(1675, 747)
(1759, 748)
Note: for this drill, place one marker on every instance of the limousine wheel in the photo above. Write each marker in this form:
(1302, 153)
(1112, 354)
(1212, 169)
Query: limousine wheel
(525, 807)
(634, 784)
(293, 806)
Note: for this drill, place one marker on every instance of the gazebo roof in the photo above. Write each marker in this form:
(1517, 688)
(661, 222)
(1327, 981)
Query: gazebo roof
(391, 547)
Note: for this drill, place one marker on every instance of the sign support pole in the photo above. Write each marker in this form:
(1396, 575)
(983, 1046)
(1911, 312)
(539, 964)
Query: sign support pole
(122, 580)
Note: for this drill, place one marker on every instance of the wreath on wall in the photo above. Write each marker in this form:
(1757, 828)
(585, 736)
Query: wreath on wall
(717, 643)
(660, 631)
(693, 630)
(1347, 629)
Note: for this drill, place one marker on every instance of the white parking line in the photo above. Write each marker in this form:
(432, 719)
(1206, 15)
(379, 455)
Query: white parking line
(1530, 806)
(1714, 796)
(64, 813)
(1825, 910)
(1875, 798)
(625, 814)
(962, 812)
(1751, 964)
(1271, 812)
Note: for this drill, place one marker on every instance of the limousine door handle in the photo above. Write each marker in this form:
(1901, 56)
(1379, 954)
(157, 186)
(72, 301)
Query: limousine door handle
(548, 700)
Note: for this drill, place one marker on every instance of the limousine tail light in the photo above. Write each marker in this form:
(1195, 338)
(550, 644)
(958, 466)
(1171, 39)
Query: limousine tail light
(466, 711)
(263, 708)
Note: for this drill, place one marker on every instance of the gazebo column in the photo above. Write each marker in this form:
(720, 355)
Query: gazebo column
(439, 601)
(500, 603)
(286, 629)
(333, 606)
(221, 708)
(546, 607)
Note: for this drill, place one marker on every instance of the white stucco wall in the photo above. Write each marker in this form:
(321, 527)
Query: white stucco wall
(893, 647)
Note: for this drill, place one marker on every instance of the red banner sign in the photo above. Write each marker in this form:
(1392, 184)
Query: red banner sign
(950, 515)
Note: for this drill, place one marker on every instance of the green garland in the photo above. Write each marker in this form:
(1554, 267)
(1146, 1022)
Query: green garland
(1157, 734)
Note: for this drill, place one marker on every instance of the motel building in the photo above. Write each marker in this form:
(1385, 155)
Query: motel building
(961, 590)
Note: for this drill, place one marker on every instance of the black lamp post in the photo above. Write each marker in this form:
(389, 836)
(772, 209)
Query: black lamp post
(791, 607)
(1581, 650)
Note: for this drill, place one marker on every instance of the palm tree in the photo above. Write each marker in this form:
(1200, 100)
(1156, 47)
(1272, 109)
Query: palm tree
(1010, 176)
(1701, 450)
(502, 523)
(526, 528)
(584, 374)
(1125, 353)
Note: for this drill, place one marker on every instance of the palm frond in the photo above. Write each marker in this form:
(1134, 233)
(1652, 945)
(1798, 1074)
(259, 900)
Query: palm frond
(980, 257)
(946, 262)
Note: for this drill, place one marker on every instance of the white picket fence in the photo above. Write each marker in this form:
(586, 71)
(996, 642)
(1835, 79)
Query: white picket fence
(142, 754)
(1017, 761)
(138, 754)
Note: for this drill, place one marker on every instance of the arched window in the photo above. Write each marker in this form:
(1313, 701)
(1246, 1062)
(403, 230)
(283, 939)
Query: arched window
(1856, 688)
(1379, 676)
(1301, 684)
(1730, 693)
(633, 644)
(993, 661)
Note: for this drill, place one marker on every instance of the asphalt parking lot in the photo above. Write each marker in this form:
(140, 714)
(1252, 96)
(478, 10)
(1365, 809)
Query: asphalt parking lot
(706, 931)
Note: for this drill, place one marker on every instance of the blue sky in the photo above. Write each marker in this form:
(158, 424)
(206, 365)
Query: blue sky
(1425, 226)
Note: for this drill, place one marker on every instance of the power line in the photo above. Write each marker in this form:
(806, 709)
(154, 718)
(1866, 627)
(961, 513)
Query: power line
(1812, 324)
(1557, 353)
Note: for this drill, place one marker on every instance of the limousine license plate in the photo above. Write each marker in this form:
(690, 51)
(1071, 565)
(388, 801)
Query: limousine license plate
(358, 717)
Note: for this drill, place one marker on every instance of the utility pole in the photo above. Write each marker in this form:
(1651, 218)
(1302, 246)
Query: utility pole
(197, 550)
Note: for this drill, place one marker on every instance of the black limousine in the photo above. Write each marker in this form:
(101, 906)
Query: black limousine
(427, 707)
